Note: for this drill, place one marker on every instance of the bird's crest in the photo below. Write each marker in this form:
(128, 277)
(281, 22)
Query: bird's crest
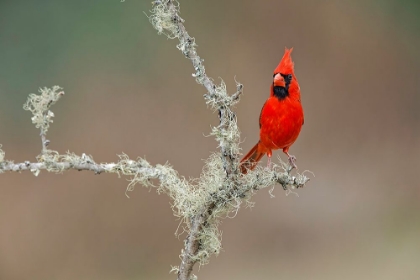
(286, 65)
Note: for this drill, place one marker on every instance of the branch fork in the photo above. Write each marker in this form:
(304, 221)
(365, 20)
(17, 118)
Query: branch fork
(200, 203)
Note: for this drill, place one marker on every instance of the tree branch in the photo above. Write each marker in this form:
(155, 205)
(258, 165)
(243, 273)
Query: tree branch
(200, 203)
(166, 20)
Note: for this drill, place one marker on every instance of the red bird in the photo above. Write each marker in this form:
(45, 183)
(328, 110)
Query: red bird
(281, 117)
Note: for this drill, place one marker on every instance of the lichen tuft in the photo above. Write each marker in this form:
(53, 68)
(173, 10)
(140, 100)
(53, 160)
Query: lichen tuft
(39, 105)
(2, 154)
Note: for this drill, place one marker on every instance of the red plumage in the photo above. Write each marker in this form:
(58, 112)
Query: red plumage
(281, 117)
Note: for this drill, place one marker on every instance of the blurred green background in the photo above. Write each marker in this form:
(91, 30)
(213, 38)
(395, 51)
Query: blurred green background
(130, 90)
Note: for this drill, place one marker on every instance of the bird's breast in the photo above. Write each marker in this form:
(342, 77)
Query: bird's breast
(281, 122)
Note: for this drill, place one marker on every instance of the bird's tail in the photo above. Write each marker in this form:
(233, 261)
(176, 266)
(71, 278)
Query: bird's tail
(251, 159)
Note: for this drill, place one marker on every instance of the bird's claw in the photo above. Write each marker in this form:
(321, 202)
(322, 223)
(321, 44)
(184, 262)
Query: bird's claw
(292, 161)
(269, 163)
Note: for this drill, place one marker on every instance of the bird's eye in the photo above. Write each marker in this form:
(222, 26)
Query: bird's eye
(289, 77)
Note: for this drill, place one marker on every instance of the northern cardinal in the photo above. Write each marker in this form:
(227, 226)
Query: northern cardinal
(281, 117)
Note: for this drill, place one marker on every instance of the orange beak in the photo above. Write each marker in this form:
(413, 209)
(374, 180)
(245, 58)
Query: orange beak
(279, 80)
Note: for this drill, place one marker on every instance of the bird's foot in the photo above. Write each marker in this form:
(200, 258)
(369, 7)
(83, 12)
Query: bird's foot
(292, 161)
(269, 163)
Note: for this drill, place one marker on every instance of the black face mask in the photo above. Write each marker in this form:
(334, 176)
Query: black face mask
(283, 92)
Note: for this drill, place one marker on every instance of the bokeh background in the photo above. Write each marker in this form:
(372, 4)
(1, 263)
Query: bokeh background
(130, 90)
